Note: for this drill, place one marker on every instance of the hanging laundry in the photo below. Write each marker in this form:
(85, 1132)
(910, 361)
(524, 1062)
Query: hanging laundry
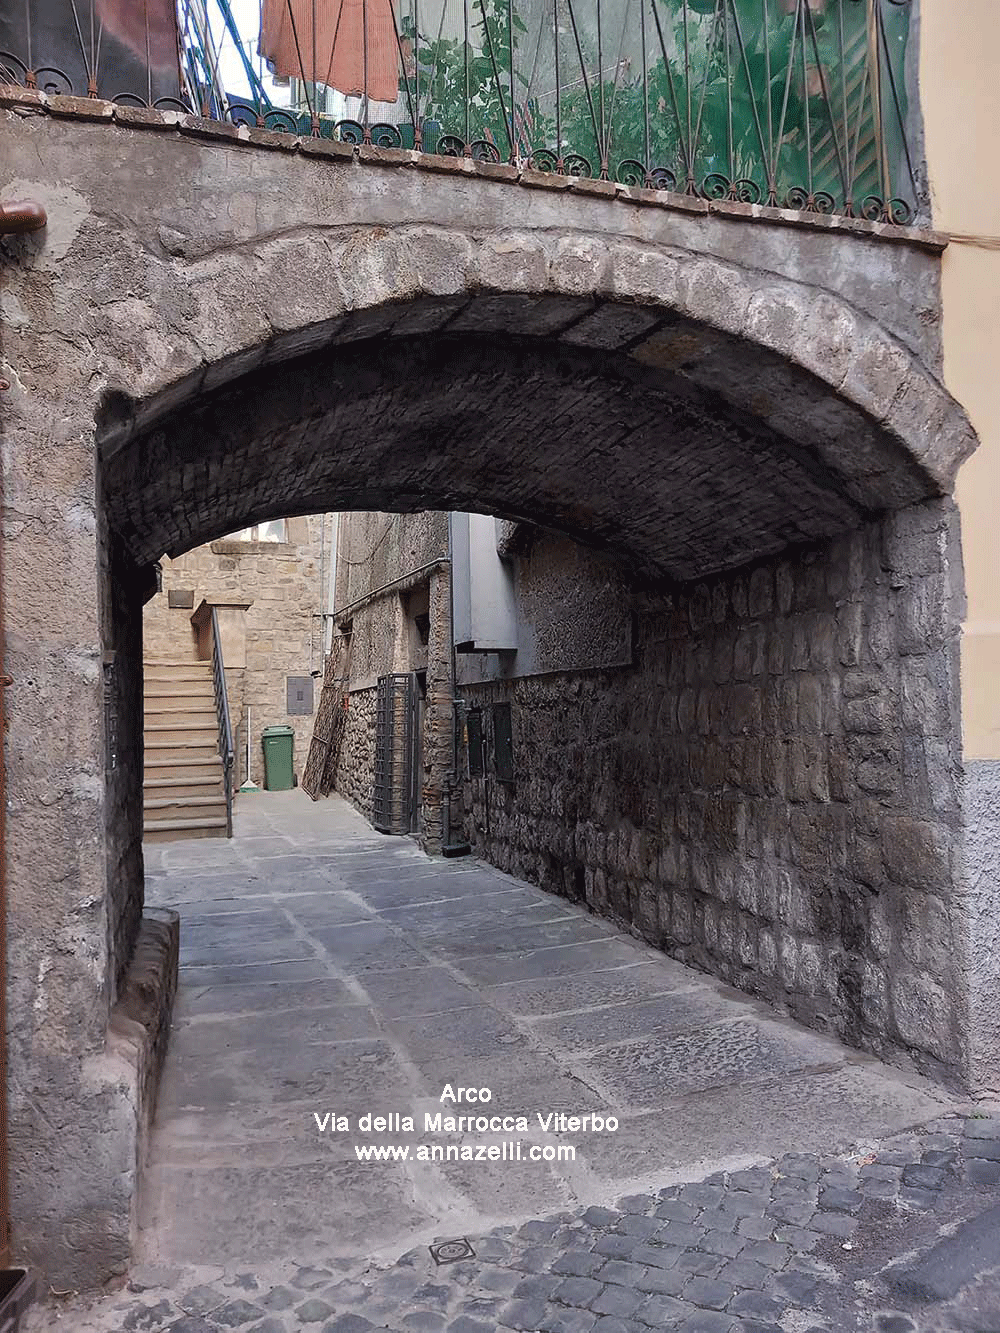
(148, 28)
(349, 45)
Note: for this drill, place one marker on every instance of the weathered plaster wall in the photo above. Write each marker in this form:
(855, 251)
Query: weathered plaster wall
(286, 584)
(772, 792)
(980, 888)
(958, 98)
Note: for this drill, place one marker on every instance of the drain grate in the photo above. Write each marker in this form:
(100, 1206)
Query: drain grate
(448, 1251)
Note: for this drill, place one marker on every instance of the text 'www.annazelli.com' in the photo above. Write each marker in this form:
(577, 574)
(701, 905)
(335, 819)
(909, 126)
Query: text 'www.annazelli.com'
(515, 1151)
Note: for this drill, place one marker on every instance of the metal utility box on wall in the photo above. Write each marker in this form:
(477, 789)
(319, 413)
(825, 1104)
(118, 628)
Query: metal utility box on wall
(299, 696)
(485, 612)
(279, 771)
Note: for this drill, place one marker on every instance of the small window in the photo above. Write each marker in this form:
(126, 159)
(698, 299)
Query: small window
(503, 744)
(274, 530)
(474, 740)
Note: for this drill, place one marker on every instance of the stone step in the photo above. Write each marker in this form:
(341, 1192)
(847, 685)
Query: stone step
(193, 764)
(171, 830)
(158, 663)
(179, 725)
(180, 805)
(192, 670)
(191, 783)
(156, 759)
(192, 712)
(180, 747)
(167, 690)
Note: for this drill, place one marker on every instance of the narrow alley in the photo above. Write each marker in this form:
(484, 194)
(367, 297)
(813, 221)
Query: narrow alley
(328, 969)
(325, 967)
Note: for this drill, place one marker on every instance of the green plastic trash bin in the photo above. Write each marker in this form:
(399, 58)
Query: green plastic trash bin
(279, 775)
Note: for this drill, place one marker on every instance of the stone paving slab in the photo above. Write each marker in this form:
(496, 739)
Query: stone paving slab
(420, 973)
(411, 973)
(644, 979)
(235, 1000)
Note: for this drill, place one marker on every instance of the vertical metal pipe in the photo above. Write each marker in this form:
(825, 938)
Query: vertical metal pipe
(645, 92)
(811, 201)
(689, 186)
(418, 131)
(510, 57)
(5, 680)
(602, 151)
(555, 39)
(465, 50)
(315, 63)
(730, 136)
(772, 185)
(367, 101)
(881, 147)
(149, 62)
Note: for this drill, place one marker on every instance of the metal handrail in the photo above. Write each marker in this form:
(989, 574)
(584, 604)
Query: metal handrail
(226, 750)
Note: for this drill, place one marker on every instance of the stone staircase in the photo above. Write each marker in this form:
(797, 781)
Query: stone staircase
(183, 789)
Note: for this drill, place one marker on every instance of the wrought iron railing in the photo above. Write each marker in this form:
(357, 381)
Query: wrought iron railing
(804, 104)
(226, 750)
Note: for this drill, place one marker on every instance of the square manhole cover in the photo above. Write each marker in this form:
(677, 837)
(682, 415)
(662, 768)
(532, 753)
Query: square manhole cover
(448, 1251)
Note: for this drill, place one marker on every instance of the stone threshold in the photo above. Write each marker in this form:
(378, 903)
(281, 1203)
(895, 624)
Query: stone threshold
(139, 1027)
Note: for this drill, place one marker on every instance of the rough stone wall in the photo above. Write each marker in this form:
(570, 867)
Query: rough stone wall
(139, 1032)
(571, 614)
(771, 792)
(286, 582)
(356, 767)
(374, 550)
(438, 748)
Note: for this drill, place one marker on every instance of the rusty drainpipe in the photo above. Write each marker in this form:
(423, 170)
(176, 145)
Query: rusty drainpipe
(15, 219)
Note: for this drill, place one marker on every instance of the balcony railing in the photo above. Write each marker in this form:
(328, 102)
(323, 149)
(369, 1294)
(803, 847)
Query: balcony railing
(802, 104)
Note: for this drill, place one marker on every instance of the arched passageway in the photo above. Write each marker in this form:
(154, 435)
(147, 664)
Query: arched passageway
(771, 462)
(766, 789)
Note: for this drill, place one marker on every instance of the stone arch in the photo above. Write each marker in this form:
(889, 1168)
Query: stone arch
(702, 421)
(790, 365)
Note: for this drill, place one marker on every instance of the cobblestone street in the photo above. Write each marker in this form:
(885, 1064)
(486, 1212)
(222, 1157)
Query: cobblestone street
(761, 1178)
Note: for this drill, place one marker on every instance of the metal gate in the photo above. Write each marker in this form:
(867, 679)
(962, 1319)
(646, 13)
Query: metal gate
(394, 798)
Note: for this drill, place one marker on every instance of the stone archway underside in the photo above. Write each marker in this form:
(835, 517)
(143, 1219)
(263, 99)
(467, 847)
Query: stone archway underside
(624, 423)
(634, 450)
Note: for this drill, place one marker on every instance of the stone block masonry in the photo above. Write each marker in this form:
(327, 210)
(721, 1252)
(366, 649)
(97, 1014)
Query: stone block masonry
(771, 792)
(356, 766)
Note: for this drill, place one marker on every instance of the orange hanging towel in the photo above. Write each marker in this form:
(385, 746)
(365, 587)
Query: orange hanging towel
(324, 41)
(141, 26)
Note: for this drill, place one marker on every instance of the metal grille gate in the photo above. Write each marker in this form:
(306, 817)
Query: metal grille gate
(394, 803)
